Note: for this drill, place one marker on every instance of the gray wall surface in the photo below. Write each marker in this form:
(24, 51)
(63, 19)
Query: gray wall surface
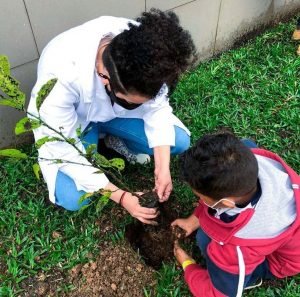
(28, 25)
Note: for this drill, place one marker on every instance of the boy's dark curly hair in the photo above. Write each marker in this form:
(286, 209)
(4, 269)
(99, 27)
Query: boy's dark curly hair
(143, 58)
(220, 165)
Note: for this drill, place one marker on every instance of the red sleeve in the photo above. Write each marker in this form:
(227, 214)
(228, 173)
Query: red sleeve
(196, 212)
(199, 282)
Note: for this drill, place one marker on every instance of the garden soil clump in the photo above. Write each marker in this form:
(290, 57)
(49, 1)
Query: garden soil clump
(118, 272)
(155, 243)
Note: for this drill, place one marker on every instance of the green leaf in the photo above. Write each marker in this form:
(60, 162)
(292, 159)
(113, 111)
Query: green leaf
(78, 131)
(10, 87)
(36, 169)
(85, 197)
(4, 65)
(82, 208)
(103, 200)
(72, 140)
(44, 92)
(117, 163)
(26, 125)
(100, 160)
(45, 139)
(10, 103)
(12, 153)
(91, 148)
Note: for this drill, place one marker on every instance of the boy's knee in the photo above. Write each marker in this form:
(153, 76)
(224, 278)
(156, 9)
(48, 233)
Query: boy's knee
(182, 141)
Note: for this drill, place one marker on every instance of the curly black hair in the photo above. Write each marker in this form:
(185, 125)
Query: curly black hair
(143, 58)
(220, 165)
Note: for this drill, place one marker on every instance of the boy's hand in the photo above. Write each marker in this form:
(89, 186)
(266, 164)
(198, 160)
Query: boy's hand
(189, 225)
(180, 254)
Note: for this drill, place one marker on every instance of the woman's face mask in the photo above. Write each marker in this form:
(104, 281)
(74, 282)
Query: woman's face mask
(114, 99)
(122, 102)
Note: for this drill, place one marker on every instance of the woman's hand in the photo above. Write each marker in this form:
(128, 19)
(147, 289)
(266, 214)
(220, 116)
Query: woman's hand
(132, 205)
(143, 214)
(163, 184)
(180, 254)
(162, 175)
(189, 225)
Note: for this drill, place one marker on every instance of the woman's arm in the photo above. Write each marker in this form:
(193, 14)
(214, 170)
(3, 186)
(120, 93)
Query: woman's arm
(163, 180)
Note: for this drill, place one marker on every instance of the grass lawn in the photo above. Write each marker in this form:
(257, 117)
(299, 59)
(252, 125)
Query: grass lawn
(253, 90)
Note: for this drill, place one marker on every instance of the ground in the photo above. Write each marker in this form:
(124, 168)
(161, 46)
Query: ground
(118, 271)
(44, 251)
(124, 268)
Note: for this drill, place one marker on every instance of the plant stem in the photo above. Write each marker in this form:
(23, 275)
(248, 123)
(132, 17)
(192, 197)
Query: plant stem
(56, 131)
(119, 181)
(112, 175)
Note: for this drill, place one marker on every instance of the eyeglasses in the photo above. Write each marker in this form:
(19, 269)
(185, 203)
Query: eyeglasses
(114, 99)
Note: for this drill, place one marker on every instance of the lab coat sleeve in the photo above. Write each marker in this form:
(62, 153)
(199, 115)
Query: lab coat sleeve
(59, 112)
(159, 121)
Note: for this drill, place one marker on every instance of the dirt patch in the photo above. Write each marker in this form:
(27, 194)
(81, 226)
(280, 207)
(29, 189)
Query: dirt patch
(118, 272)
(43, 284)
(3, 268)
(155, 243)
(123, 267)
(285, 133)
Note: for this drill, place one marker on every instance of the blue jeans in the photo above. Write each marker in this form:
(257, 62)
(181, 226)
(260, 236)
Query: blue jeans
(133, 133)
(249, 143)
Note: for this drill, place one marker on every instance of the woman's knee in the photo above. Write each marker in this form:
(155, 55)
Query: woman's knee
(66, 193)
(182, 141)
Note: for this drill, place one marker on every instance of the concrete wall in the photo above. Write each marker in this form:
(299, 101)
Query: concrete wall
(27, 26)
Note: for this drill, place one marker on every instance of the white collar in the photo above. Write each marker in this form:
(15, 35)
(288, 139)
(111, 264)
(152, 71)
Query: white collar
(232, 211)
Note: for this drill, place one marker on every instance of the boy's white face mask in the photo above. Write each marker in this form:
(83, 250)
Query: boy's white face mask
(215, 204)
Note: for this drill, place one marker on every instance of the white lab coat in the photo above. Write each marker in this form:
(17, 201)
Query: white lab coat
(79, 98)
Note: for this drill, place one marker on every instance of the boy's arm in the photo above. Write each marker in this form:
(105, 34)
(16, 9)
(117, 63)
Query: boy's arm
(189, 225)
(199, 282)
(196, 277)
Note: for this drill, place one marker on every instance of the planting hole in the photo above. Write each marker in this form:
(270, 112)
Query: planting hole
(154, 243)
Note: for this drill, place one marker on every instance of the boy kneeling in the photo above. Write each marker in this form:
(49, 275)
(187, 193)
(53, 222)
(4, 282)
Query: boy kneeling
(248, 218)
